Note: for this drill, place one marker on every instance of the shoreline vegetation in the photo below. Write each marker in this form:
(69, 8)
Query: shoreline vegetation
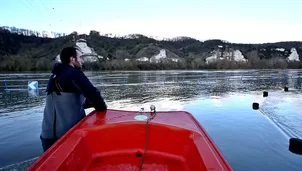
(23, 64)
(25, 50)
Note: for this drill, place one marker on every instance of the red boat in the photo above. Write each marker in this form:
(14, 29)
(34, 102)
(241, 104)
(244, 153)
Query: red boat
(118, 140)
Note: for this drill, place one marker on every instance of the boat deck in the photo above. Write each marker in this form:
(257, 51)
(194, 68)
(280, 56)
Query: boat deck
(122, 140)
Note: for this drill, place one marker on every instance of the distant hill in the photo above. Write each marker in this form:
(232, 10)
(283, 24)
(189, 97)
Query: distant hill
(22, 50)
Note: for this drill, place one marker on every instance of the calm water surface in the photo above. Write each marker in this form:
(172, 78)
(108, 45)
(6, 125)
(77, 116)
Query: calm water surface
(220, 100)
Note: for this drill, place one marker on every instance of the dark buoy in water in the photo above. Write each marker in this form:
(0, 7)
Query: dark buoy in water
(255, 106)
(286, 89)
(295, 146)
(265, 94)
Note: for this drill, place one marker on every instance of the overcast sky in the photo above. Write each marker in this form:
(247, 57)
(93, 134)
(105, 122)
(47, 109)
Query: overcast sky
(238, 21)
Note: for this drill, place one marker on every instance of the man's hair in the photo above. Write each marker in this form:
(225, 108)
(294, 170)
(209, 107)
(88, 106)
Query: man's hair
(66, 53)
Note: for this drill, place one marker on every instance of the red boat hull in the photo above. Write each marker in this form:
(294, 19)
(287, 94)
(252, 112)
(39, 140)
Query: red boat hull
(115, 140)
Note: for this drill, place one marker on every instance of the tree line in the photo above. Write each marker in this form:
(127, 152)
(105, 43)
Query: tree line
(18, 63)
(19, 52)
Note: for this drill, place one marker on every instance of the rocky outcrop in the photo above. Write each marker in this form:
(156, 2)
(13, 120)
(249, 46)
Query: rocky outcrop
(294, 56)
(225, 53)
(156, 58)
(154, 54)
(143, 59)
(87, 53)
(239, 57)
(162, 56)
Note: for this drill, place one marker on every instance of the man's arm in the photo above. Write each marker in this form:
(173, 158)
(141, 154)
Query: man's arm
(89, 91)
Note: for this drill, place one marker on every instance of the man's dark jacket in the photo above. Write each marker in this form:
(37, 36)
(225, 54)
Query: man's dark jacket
(66, 92)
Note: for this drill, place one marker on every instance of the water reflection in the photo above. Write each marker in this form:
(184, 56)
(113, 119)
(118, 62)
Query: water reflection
(220, 100)
(20, 100)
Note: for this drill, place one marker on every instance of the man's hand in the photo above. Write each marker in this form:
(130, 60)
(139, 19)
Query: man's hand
(87, 104)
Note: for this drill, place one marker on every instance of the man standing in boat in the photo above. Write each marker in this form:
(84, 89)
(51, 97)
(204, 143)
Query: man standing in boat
(65, 101)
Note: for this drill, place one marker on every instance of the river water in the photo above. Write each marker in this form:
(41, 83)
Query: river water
(220, 100)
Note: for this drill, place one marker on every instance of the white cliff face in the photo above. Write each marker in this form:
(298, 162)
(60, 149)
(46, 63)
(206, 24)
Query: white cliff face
(162, 54)
(238, 56)
(58, 58)
(90, 59)
(211, 59)
(82, 44)
(87, 53)
(280, 49)
(156, 58)
(174, 59)
(143, 59)
(294, 56)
